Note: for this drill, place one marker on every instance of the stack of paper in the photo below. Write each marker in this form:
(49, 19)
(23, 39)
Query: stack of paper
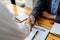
(38, 33)
(56, 29)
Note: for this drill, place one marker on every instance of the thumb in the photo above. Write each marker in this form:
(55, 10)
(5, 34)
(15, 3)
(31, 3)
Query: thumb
(32, 20)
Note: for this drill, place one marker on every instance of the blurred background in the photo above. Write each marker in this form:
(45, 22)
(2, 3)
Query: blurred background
(27, 3)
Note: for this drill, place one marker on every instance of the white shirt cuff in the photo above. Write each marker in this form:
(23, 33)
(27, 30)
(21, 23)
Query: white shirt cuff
(33, 17)
(54, 16)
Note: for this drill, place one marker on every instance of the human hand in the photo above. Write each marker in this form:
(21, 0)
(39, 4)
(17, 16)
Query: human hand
(30, 21)
(47, 15)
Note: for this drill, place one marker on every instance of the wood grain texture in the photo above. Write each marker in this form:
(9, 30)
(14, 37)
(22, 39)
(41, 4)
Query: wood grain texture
(28, 11)
(46, 23)
(52, 37)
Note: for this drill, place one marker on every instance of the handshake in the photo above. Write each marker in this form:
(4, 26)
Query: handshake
(30, 21)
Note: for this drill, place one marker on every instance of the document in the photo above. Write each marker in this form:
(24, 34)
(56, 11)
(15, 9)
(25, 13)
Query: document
(38, 33)
(55, 29)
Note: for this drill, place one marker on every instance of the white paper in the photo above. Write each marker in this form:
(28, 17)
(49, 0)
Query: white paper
(56, 29)
(41, 35)
(22, 17)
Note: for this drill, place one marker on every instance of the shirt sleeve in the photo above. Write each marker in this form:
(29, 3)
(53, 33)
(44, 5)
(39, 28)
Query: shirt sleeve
(54, 16)
(57, 19)
(24, 29)
(38, 9)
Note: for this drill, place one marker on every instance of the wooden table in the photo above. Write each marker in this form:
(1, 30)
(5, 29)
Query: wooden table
(52, 37)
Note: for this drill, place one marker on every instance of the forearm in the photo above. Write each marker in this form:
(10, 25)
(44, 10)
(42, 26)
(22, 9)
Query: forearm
(35, 15)
(38, 9)
(52, 17)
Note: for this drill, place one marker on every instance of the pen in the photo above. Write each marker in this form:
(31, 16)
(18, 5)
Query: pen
(35, 35)
(17, 20)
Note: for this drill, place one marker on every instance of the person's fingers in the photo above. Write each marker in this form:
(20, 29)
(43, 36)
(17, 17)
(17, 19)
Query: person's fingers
(30, 21)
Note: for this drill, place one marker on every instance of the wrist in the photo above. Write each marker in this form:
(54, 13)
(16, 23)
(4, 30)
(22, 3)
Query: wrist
(32, 17)
(52, 17)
